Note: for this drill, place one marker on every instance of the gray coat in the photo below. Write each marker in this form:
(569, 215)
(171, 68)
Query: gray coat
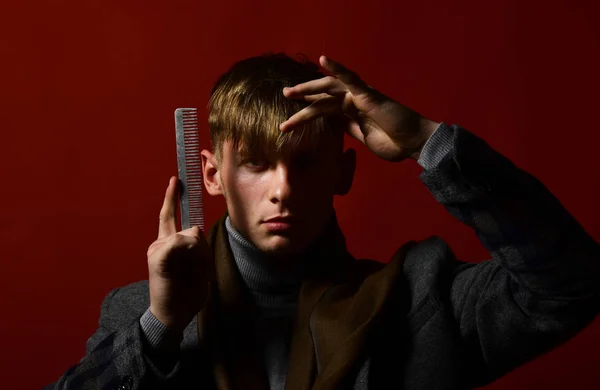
(466, 324)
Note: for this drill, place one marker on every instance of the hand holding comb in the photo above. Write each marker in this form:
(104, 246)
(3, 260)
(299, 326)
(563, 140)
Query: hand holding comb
(180, 264)
(189, 167)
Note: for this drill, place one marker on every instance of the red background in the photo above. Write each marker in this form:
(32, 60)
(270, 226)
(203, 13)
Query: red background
(88, 90)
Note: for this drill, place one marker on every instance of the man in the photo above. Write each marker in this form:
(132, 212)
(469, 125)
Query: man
(272, 299)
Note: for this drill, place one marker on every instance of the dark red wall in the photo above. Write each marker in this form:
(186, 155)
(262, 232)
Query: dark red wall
(87, 94)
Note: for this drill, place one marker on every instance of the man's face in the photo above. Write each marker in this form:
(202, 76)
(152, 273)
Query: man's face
(282, 202)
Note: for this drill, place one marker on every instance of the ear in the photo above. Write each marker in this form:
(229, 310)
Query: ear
(210, 173)
(347, 169)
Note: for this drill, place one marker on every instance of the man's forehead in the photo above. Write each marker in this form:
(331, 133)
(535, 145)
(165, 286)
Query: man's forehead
(324, 141)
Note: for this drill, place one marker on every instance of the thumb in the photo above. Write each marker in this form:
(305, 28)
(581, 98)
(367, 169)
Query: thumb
(197, 233)
(194, 231)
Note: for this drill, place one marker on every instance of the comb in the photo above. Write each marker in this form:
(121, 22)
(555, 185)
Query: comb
(189, 168)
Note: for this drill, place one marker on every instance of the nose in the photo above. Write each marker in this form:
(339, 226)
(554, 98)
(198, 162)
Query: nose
(280, 189)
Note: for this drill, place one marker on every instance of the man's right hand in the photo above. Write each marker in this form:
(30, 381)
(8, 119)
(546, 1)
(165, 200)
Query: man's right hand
(179, 267)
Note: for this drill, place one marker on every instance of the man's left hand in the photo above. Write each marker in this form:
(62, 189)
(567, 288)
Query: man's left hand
(389, 129)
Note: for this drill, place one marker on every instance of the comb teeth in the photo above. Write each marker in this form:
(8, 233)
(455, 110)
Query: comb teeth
(189, 167)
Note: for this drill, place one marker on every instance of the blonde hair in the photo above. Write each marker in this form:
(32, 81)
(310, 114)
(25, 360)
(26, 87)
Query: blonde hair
(247, 105)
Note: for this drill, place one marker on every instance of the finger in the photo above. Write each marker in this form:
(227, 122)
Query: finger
(329, 85)
(354, 131)
(194, 231)
(353, 82)
(314, 98)
(326, 106)
(197, 235)
(167, 225)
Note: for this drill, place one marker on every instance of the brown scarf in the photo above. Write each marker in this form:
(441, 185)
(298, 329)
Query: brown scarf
(339, 308)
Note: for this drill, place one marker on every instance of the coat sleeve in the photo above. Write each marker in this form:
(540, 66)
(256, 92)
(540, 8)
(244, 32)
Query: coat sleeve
(541, 286)
(117, 355)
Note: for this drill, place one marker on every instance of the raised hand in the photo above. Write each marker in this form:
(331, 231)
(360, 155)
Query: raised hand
(390, 130)
(179, 267)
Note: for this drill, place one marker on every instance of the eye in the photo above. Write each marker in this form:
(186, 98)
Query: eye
(255, 163)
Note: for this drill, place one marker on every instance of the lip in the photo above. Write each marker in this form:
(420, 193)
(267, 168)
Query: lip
(283, 219)
(280, 224)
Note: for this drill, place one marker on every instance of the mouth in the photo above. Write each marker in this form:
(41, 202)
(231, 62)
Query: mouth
(280, 224)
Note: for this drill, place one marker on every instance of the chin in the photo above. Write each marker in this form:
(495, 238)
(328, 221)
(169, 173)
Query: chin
(280, 245)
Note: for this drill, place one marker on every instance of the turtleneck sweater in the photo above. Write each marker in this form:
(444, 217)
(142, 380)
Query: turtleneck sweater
(274, 290)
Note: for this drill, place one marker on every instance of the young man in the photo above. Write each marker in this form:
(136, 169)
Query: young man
(272, 299)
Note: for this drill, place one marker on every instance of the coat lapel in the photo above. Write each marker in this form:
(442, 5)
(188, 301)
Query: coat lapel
(345, 319)
(329, 265)
(226, 322)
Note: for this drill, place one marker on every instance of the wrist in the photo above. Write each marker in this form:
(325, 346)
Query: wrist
(172, 324)
(158, 335)
(426, 128)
